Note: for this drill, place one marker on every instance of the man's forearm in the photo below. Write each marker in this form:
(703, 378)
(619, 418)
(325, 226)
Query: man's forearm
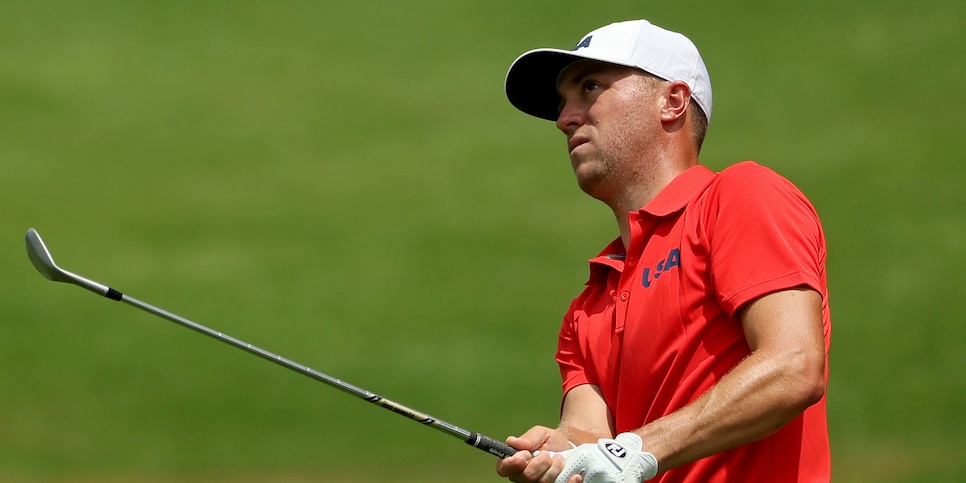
(754, 400)
(580, 436)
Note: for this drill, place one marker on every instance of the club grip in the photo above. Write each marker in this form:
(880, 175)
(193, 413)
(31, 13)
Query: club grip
(490, 445)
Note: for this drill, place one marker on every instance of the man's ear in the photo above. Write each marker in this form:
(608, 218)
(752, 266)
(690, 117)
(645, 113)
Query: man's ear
(677, 98)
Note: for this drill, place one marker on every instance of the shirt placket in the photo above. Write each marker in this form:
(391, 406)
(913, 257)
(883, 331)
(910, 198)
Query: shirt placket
(627, 286)
(642, 226)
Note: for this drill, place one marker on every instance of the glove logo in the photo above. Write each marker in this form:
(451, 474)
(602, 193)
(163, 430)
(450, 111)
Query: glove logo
(616, 450)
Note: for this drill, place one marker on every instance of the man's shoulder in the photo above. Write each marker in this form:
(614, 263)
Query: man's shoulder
(749, 177)
(750, 186)
(746, 169)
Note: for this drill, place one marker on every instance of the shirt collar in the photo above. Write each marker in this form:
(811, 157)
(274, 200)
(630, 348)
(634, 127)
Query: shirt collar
(674, 197)
(681, 190)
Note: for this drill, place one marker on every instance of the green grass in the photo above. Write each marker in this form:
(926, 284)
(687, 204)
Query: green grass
(346, 185)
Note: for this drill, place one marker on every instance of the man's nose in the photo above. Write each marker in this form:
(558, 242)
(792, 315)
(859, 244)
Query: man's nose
(571, 117)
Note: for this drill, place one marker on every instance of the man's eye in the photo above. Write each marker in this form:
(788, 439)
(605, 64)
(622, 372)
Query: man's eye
(590, 85)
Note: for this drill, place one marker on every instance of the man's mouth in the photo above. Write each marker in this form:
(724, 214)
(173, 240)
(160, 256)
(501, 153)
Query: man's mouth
(576, 142)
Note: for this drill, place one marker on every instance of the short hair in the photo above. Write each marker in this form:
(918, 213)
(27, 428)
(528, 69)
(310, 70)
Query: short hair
(699, 124)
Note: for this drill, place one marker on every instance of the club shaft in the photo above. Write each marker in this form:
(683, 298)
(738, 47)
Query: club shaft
(474, 439)
(44, 263)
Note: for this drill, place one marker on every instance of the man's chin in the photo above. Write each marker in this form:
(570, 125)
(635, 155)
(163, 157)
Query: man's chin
(590, 184)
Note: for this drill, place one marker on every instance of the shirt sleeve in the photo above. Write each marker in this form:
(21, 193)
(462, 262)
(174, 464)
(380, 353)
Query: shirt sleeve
(569, 355)
(764, 236)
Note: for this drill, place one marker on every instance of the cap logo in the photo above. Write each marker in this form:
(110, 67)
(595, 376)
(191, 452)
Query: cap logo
(583, 43)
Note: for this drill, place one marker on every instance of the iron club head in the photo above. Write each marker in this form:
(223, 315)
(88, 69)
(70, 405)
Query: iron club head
(41, 258)
(44, 263)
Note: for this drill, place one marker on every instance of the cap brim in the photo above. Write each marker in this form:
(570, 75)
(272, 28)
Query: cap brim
(531, 81)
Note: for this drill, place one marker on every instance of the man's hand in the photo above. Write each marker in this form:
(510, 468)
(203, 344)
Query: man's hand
(524, 467)
(618, 460)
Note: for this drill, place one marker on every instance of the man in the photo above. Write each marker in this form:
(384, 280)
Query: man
(698, 349)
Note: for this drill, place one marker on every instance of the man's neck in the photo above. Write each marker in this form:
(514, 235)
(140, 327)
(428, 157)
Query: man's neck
(638, 196)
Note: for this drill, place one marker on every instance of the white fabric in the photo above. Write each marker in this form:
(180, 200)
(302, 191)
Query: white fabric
(618, 460)
(634, 43)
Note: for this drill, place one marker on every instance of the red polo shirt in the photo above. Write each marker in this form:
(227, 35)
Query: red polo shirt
(655, 327)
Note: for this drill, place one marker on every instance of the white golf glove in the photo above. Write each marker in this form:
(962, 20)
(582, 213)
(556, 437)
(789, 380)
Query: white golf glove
(618, 460)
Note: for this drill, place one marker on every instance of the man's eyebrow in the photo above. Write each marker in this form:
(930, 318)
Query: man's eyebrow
(573, 77)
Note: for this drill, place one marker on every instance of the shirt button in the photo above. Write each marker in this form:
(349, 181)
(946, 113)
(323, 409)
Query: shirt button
(625, 296)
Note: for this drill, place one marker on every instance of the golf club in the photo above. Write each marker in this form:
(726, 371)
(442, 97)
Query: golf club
(44, 263)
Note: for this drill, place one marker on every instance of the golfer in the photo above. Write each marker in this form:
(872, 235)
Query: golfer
(698, 350)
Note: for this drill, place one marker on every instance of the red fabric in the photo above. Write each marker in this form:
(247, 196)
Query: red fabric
(655, 327)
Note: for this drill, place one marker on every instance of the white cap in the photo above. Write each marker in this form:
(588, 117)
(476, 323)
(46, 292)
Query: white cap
(531, 82)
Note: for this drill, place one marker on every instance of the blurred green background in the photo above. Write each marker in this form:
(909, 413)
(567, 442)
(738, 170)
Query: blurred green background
(343, 183)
